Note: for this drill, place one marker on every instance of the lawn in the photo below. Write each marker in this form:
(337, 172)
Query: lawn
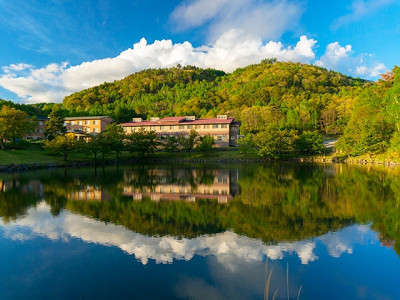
(35, 154)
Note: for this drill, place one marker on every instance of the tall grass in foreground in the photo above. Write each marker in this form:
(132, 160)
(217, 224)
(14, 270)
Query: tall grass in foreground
(268, 277)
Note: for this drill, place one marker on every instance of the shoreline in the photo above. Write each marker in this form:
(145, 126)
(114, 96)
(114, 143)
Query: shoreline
(10, 168)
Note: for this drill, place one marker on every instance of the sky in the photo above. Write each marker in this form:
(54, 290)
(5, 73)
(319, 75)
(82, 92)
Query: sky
(52, 48)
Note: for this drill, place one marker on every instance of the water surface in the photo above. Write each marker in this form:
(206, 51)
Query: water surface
(201, 232)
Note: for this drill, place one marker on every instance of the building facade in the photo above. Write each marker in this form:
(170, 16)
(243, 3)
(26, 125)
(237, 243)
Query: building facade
(38, 132)
(84, 126)
(224, 130)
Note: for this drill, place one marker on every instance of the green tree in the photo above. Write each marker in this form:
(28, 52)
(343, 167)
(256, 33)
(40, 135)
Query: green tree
(55, 124)
(188, 143)
(310, 142)
(142, 142)
(170, 144)
(275, 142)
(206, 144)
(114, 137)
(62, 144)
(14, 124)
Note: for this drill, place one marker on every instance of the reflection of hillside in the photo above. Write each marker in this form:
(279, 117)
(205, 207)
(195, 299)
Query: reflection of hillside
(274, 203)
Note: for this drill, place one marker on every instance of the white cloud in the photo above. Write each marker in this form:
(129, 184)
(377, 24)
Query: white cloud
(342, 58)
(360, 9)
(265, 20)
(335, 55)
(230, 249)
(371, 71)
(16, 67)
(232, 50)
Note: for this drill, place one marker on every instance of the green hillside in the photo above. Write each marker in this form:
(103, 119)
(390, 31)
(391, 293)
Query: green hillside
(293, 89)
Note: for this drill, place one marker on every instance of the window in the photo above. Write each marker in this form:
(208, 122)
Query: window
(162, 127)
(215, 126)
(95, 122)
(189, 126)
(224, 126)
(181, 127)
(79, 122)
(220, 138)
(206, 126)
(171, 127)
(72, 123)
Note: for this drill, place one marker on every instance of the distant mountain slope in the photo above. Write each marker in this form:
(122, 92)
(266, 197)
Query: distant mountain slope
(292, 88)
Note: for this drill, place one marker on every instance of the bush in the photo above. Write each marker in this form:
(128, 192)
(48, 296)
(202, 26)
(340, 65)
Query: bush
(206, 144)
(310, 142)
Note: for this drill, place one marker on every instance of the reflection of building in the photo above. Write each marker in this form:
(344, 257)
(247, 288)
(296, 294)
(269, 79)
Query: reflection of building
(33, 186)
(224, 130)
(82, 126)
(88, 193)
(217, 185)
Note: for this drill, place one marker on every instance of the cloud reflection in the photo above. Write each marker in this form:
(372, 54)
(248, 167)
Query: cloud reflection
(228, 247)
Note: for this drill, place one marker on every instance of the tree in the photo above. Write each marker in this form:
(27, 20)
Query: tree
(94, 146)
(62, 144)
(142, 142)
(310, 142)
(206, 144)
(171, 144)
(55, 124)
(14, 124)
(275, 142)
(189, 142)
(114, 137)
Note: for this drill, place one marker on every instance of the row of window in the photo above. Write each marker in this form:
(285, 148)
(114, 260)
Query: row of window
(184, 191)
(87, 122)
(180, 127)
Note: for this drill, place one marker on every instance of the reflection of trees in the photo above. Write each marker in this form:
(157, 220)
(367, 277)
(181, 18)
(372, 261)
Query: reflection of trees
(277, 202)
(16, 198)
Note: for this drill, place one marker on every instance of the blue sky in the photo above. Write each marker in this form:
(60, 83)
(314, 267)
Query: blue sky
(51, 48)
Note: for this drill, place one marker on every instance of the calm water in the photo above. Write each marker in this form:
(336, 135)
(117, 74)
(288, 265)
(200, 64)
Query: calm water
(215, 232)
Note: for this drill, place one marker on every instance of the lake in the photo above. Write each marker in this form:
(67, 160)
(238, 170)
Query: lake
(273, 231)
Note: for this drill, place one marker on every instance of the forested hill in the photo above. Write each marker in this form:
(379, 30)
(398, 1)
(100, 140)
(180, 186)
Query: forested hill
(292, 88)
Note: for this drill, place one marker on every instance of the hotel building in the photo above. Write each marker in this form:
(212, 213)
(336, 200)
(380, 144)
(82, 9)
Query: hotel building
(224, 130)
(82, 126)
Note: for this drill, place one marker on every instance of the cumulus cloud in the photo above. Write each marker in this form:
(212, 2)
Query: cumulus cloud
(265, 20)
(232, 50)
(360, 9)
(335, 55)
(342, 58)
(229, 248)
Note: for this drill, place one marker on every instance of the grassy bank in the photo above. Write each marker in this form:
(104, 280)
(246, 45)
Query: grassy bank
(36, 155)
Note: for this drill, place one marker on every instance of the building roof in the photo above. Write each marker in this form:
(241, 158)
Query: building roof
(86, 118)
(179, 121)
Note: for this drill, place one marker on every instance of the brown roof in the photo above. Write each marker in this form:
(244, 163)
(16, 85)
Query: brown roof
(179, 121)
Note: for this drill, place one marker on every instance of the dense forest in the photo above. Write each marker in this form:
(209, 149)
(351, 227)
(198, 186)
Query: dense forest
(280, 105)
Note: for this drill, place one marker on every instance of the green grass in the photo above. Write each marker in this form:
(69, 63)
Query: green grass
(35, 154)
(8, 157)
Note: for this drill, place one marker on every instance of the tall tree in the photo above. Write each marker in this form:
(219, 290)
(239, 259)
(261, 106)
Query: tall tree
(55, 124)
(14, 124)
